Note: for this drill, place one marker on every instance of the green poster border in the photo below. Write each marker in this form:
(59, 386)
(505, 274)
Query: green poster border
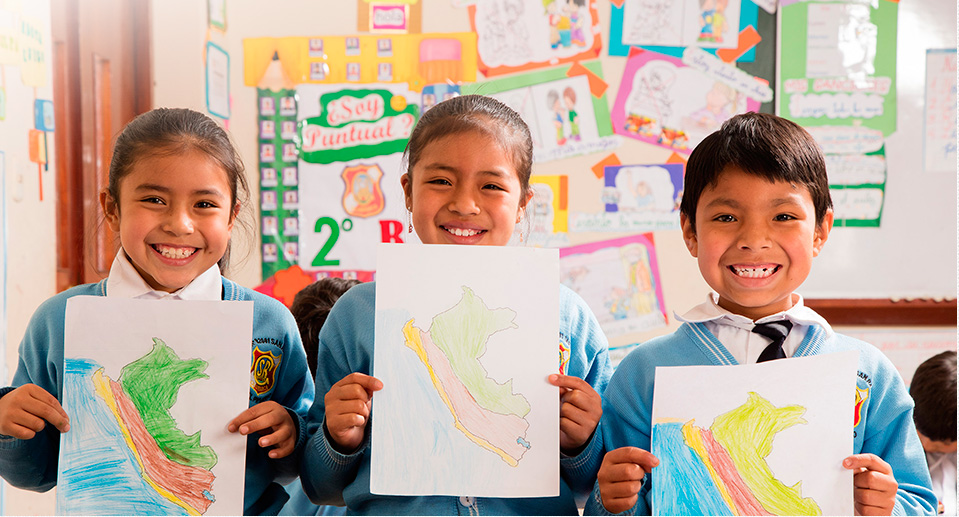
(600, 106)
(865, 223)
(792, 59)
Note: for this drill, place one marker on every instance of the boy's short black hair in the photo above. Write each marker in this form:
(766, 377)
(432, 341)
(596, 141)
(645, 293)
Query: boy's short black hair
(310, 308)
(934, 390)
(762, 144)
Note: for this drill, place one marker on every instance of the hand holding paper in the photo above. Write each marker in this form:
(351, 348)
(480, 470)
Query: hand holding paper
(875, 485)
(348, 409)
(579, 411)
(25, 411)
(621, 476)
(273, 422)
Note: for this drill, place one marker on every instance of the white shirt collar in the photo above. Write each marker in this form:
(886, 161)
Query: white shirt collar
(711, 311)
(125, 282)
(734, 331)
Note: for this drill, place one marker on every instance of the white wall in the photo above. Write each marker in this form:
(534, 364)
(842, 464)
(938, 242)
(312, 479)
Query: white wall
(30, 254)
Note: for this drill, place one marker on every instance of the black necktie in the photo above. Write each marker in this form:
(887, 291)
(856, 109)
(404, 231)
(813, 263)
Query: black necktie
(776, 331)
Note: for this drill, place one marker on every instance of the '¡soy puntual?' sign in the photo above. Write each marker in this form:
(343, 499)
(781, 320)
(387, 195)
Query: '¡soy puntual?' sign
(356, 124)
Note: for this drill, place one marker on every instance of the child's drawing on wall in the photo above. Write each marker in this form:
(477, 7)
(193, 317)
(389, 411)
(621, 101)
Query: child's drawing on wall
(651, 95)
(576, 22)
(707, 15)
(644, 188)
(722, 102)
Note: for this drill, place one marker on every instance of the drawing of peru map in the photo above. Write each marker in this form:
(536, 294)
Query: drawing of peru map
(125, 453)
(487, 412)
(721, 470)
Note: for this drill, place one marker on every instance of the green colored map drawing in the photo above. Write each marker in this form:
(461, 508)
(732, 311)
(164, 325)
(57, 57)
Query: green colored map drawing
(152, 383)
(461, 333)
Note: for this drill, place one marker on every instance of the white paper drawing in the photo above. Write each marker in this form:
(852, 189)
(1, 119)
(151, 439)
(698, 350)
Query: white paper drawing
(465, 339)
(150, 386)
(755, 439)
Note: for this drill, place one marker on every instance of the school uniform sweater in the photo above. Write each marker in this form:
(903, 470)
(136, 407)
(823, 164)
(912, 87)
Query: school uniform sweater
(32, 464)
(346, 346)
(883, 422)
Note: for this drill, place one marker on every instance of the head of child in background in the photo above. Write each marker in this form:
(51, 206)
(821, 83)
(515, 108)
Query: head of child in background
(310, 308)
(933, 388)
(467, 180)
(175, 187)
(755, 211)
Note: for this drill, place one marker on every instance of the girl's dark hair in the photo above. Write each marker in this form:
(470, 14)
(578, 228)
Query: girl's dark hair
(171, 131)
(478, 113)
(761, 144)
(933, 388)
(310, 308)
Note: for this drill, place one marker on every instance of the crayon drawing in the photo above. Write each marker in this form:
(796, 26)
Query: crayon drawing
(464, 408)
(144, 437)
(760, 439)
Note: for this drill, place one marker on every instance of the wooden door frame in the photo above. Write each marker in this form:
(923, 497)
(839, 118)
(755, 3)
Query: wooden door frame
(82, 238)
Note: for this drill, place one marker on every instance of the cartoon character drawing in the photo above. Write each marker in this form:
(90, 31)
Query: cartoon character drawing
(722, 102)
(555, 104)
(719, 20)
(650, 95)
(552, 17)
(707, 18)
(576, 23)
(569, 97)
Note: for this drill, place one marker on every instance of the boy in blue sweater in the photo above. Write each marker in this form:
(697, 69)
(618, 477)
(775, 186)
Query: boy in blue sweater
(755, 211)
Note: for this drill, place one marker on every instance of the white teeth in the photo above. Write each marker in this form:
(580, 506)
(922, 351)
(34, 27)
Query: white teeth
(754, 272)
(175, 253)
(462, 232)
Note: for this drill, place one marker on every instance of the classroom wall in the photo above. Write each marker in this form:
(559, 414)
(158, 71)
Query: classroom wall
(179, 34)
(29, 255)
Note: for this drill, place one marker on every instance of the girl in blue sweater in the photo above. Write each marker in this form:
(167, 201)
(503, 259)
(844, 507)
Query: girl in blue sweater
(173, 198)
(467, 183)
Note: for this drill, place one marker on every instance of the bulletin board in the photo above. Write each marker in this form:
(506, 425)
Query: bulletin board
(907, 265)
(860, 271)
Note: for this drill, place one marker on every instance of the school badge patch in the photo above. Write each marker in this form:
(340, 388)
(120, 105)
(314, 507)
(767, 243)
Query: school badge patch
(263, 371)
(362, 196)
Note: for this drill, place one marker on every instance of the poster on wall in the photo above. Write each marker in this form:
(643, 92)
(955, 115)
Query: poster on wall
(350, 144)
(837, 64)
(939, 120)
(545, 222)
(636, 198)
(217, 80)
(514, 36)
(619, 280)
(675, 103)
(414, 59)
(279, 179)
(565, 108)
(654, 20)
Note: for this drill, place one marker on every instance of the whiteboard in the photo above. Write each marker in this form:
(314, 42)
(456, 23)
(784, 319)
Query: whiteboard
(913, 253)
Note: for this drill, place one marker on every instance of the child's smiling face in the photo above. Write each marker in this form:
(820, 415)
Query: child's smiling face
(465, 190)
(755, 241)
(174, 217)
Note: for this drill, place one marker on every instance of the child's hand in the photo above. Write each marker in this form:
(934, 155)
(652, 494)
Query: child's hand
(348, 409)
(875, 487)
(25, 411)
(579, 410)
(274, 424)
(621, 476)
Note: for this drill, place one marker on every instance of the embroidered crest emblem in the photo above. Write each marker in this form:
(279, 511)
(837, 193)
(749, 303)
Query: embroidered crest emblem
(263, 371)
(363, 196)
(861, 395)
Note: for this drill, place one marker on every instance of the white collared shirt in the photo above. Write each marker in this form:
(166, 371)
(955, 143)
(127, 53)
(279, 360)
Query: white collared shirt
(735, 333)
(125, 282)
